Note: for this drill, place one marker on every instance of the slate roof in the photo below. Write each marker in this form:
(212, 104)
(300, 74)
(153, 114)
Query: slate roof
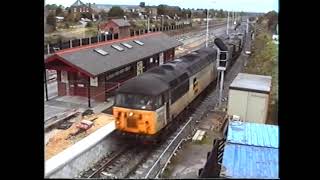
(88, 60)
(121, 22)
(77, 3)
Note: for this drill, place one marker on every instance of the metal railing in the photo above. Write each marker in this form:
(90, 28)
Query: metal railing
(160, 164)
(52, 48)
(169, 159)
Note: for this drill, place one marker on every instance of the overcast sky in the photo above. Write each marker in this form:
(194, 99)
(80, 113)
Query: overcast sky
(236, 5)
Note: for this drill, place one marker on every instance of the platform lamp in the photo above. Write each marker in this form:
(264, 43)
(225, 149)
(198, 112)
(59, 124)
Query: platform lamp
(222, 60)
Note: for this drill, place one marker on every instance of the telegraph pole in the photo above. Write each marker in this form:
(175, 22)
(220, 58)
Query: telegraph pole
(207, 28)
(228, 24)
(247, 26)
(148, 24)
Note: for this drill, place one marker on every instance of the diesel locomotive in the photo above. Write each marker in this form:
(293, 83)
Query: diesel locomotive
(148, 105)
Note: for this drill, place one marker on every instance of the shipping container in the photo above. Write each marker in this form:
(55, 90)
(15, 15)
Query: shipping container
(249, 97)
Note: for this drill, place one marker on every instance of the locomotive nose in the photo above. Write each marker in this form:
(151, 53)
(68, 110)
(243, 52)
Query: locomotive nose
(135, 121)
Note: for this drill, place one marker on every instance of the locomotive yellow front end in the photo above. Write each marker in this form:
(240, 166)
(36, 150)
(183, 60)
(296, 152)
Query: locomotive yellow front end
(135, 120)
(138, 114)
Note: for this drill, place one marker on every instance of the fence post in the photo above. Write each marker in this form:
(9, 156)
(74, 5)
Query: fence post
(48, 48)
(80, 41)
(89, 40)
(98, 38)
(70, 43)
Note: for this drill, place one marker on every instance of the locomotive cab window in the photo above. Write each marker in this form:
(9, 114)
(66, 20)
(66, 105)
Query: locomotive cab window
(138, 101)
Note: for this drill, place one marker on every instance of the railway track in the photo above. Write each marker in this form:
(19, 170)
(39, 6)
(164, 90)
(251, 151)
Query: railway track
(157, 163)
(120, 164)
(149, 161)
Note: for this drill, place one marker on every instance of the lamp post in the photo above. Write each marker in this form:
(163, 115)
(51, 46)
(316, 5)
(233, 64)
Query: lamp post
(207, 35)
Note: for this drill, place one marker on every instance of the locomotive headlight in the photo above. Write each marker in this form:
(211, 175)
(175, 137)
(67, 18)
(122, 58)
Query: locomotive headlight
(130, 113)
(117, 122)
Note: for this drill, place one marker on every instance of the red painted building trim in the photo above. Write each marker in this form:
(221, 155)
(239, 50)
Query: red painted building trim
(59, 58)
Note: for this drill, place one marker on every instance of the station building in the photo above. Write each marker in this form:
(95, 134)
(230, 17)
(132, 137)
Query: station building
(96, 70)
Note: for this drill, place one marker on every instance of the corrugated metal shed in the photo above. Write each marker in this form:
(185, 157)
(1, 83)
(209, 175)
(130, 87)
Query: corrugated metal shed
(253, 134)
(251, 151)
(251, 82)
(242, 161)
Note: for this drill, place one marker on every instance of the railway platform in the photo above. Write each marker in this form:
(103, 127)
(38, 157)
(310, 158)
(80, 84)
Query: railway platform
(79, 156)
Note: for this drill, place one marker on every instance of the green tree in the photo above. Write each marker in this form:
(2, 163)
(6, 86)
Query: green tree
(69, 17)
(185, 13)
(51, 20)
(142, 4)
(59, 11)
(116, 11)
(86, 15)
(162, 9)
(272, 21)
(89, 24)
(51, 6)
(220, 13)
(104, 15)
(67, 25)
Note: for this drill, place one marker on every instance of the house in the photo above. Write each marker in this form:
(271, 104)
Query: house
(80, 7)
(116, 26)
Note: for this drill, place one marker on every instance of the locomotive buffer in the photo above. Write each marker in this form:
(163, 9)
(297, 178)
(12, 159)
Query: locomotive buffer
(222, 58)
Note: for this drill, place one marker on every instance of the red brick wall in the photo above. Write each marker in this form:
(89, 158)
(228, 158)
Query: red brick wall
(98, 93)
(106, 27)
(124, 32)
